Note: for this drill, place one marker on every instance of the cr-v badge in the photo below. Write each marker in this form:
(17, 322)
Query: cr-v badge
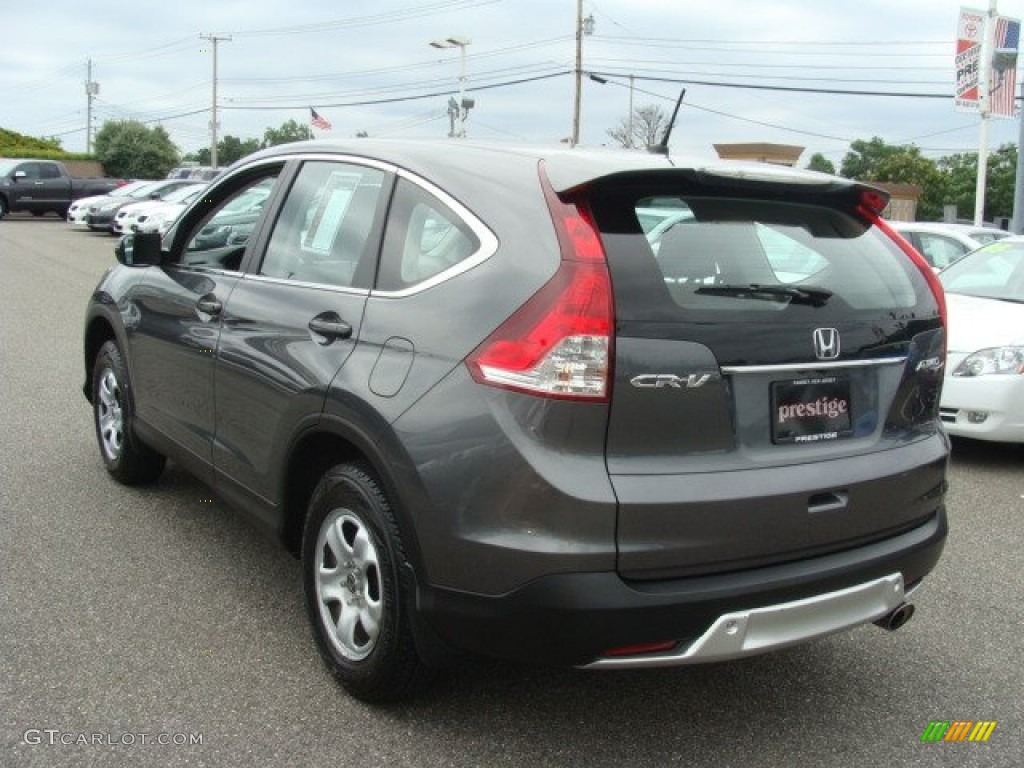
(826, 343)
(659, 380)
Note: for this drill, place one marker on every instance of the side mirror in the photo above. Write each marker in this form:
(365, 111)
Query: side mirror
(140, 250)
(19, 175)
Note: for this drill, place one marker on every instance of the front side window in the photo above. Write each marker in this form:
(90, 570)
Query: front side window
(424, 238)
(324, 230)
(220, 240)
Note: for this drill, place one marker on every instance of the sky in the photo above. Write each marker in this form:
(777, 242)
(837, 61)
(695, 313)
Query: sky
(368, 67)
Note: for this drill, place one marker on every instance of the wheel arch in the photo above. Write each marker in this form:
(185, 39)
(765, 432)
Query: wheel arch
(332, 442)
(98, 331)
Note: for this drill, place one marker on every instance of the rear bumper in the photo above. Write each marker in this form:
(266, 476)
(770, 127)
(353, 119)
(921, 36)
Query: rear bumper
(574, 619)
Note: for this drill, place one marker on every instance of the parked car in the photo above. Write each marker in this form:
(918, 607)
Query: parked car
(940, 244)
(983, 235)
(983, 394)
(160, 216)
(102, 213)
(160, 219)
(128, 215)
(79, 209)
(457, 381)
(41, 186)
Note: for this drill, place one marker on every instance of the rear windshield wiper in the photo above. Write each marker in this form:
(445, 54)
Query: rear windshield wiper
(816, 297)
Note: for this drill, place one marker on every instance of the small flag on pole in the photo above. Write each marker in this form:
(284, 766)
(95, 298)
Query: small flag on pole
(317, 121)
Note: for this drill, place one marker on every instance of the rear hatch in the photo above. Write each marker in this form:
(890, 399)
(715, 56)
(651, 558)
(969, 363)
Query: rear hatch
(776, 373)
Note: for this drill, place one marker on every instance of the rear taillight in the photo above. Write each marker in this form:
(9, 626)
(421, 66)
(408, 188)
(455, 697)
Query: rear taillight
(559, 343)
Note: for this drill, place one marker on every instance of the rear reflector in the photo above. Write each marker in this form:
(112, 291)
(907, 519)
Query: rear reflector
(559, 343)
(642, 648)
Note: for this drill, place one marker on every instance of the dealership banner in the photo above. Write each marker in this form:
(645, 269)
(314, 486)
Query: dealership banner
(969, 34)
(1002, 74)
(1003, 88)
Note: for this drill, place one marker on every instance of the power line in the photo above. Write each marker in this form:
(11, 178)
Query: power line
(370, 20)
(785, 88)
(418, 97)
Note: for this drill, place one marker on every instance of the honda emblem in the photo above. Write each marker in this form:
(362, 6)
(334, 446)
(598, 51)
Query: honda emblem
(826, 343)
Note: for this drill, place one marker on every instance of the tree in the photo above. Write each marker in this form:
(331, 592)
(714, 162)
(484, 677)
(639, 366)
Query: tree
(229, 149)
(646, 129)
(819, 162)
(961, 172)
(130, 149)
(288, 132)
(865, 157)
(877, 161)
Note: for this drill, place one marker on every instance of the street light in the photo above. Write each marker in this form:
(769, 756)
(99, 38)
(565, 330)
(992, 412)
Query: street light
(459, 110)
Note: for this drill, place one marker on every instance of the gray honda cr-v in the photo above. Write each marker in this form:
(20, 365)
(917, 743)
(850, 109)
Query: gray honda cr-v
(604, 409)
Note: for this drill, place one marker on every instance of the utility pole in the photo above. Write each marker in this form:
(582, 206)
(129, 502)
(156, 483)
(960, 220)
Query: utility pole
(984, 111)
(583, 26)
(631, 79)
(91, 91)
(1017, 223)
(213, 122)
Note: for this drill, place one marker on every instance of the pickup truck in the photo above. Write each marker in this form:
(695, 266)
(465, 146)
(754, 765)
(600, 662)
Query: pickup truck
(38, 186)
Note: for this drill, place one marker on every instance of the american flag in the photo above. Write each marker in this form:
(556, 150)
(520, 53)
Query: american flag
(1004, 84)
(319, 122)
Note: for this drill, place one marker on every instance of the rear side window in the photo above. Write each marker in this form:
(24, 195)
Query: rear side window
(424, 238)
(718, 254)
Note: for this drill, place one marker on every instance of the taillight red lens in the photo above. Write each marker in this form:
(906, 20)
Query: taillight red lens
(559, 343)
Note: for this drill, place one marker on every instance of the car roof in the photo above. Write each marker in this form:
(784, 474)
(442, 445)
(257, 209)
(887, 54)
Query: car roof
(567, 168)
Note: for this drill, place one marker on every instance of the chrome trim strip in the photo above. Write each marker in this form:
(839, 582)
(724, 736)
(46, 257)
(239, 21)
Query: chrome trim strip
(744, 633)
(301, 284)
(813, 365)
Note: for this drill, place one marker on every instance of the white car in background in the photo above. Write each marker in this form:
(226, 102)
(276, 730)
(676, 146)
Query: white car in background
(983, 390)
(940, 244)
(79, 208)
(126, 217)
(158, 218)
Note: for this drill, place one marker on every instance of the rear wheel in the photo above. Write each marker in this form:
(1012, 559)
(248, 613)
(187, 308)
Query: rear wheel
(356, 596)
(127, 458)
(3, 207)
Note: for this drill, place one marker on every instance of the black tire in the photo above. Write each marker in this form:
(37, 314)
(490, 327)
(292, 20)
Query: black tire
(357, 597)
(127, 458)
(3, 207)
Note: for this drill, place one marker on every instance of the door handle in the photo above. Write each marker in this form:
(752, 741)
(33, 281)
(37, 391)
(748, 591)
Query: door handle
(332, 329)
(209, 305)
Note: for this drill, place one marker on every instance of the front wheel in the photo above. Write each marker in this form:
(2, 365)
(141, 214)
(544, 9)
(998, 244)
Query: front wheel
(127, 458)
(3, 208)
(356, 597)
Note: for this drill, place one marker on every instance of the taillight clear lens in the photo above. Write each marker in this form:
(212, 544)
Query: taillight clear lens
(558, 344)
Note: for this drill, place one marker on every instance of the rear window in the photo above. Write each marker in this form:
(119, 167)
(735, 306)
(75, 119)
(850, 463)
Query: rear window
(714, 242)
(739, 255)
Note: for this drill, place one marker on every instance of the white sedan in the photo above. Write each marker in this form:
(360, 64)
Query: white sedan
(983, 389)
(126, 218)
(80, 207)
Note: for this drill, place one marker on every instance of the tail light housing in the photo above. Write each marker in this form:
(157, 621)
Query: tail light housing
(559, 343)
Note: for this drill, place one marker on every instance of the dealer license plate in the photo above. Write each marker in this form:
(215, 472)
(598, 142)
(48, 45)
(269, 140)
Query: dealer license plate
(811, 410)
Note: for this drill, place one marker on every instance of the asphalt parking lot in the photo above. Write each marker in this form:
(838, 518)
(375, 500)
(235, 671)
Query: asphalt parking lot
(134, 617)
